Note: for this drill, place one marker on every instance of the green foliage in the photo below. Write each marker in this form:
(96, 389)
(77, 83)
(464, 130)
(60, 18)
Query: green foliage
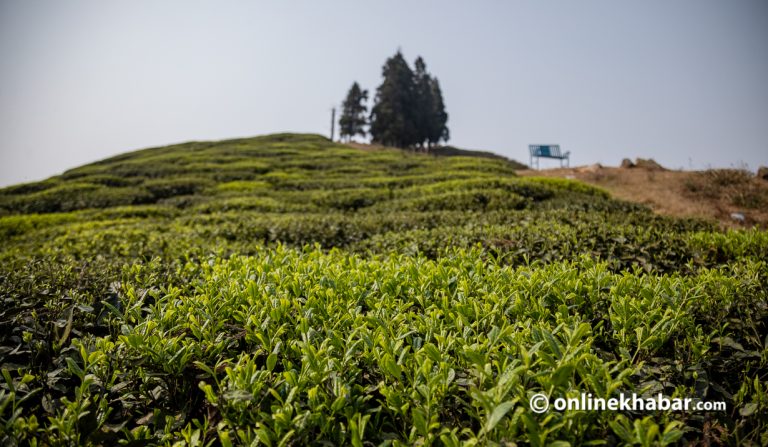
(352, 199)
(27, 188)
(179, 186)
(22, 224)
(296, 344)
(243, 186)
(107, 180)
(452, 151)
(75, 196)
(336, 296)
(437, 117)
(394, 114)
(408, 110)
(484, 200)
(353, 113)
(431, 116)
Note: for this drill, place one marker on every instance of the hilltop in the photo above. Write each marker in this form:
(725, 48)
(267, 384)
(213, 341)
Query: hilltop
(289, 290)
(194, 173)
(447, 151)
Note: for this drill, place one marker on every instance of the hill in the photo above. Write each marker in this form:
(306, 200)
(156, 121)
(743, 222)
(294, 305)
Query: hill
(288, 290)
(201, 171)
(446, 151)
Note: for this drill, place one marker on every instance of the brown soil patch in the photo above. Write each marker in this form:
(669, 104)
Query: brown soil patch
(713, 194)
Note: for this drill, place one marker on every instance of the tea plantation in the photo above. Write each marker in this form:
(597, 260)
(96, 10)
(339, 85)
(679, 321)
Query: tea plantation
(287, 290)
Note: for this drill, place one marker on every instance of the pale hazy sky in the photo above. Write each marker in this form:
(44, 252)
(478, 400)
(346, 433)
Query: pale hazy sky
(682, 81)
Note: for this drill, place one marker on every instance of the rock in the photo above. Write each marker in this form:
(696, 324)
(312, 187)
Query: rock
(738, 217)
(591, 168)
(762, 173)
(649, 164)
(627, 163)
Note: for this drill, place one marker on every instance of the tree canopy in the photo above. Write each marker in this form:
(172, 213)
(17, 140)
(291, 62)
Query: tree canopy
(353, 113)
(408, 109)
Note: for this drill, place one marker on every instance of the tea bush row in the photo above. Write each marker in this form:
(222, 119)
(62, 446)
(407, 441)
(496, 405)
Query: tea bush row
(300, 346)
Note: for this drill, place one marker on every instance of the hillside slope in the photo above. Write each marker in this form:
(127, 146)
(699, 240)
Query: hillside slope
(301, 189)
(196, 172)
(713, 194)
(446, 151)
(288, 290)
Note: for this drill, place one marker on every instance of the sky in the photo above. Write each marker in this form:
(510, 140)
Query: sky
(683, 81)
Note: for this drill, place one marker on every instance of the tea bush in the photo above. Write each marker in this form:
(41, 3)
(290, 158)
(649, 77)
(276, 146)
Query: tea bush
(179, 186)
(76, 196)
(286, 290)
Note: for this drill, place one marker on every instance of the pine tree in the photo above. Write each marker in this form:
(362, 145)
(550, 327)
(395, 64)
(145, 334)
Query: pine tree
(424, 101)
(408, 110)
(438, 128)
(353, 113)
(394, 116)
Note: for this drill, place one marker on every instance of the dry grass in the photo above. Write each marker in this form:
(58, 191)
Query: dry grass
(713, 194)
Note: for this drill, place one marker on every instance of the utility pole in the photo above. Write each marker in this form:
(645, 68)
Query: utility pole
(333, 121)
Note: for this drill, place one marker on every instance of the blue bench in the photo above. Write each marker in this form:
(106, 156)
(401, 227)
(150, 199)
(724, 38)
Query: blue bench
(548, 151)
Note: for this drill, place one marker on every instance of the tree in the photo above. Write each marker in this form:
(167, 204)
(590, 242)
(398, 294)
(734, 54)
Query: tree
(424, 101)
(394, 113)
(353, 113)
(438, 117)
(408, 109)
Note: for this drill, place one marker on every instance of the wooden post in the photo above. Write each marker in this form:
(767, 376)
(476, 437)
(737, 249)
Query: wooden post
(333, 122)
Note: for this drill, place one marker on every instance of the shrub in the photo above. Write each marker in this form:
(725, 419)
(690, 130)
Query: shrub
(18, 225)
(481, 200)
(243, 186)
(107, 180)
(28, 188)
(265, 204)
(135, 211)
(75, 196)
(736, 186)
(351, 199)
(179, 186)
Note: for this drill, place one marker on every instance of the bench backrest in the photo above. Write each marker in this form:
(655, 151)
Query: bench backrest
(545, 150)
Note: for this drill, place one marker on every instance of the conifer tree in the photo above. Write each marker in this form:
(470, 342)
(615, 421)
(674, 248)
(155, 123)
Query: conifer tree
(353, 113)
(438, 122)
(424, 101)
(393, 116)
(408, 109)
